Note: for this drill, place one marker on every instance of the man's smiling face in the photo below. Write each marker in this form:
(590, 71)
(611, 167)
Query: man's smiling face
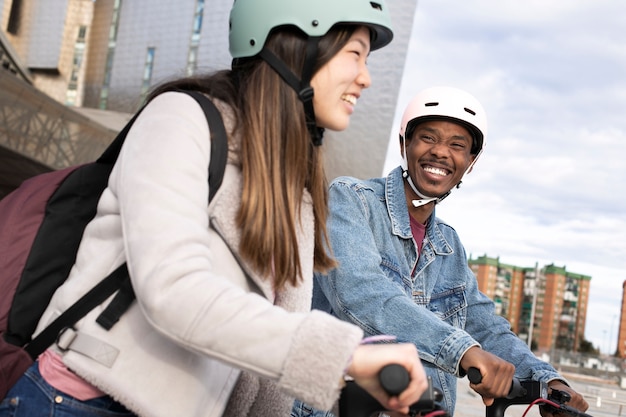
(438, 154)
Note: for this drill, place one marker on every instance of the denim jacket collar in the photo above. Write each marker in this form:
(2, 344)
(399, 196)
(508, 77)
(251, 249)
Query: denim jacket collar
(399, 215)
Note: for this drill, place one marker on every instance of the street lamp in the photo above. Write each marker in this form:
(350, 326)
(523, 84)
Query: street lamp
(611, 333)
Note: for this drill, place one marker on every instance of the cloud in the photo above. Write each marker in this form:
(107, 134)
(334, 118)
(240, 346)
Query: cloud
(551, 184)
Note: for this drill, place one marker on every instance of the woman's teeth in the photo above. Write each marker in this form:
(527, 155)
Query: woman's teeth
(349, 98)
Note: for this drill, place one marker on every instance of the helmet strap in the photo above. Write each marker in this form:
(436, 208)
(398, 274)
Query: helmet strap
(423, 199)
(302, 86)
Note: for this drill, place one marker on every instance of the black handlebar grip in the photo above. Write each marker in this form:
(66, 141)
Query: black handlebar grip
(474, 375)
(517, 390)
(394, 379)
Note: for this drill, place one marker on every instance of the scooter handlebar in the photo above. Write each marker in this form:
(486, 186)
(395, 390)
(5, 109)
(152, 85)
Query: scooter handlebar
(394, 379)
(516, 390)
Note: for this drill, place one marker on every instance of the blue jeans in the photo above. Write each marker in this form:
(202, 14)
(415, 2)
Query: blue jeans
(32, 396)
(301, 409)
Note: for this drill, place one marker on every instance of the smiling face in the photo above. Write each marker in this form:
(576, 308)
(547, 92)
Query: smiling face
(338, 84)
(438, 154)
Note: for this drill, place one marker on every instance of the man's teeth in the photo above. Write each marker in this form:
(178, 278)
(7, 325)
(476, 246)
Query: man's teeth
(350, 99)
(436, 171)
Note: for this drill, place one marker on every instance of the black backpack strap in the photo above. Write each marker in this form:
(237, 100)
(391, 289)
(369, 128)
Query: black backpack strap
(219, 142)
(219, 153)
(84, 305)
(120, 279)
(119, 304)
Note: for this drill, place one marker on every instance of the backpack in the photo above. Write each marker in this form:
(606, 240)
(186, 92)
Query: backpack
(41, 226)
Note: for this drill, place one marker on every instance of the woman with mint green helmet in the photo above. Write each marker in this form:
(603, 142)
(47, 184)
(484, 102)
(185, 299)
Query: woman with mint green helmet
(251, 23)
(222, 323)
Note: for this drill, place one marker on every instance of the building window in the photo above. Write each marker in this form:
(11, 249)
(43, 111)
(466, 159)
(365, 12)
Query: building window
(104, 92)
(15, 15)
(79, 53)
(147, 72)
(192, 56)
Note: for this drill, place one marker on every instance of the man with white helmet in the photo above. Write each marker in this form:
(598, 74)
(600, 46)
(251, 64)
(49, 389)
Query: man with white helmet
(443, 104)
(403, 271)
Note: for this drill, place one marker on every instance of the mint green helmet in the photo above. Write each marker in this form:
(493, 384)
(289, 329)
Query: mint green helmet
(251, 21)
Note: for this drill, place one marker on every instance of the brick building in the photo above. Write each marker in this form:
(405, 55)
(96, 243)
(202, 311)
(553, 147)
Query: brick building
(621, 332)
(547, 307)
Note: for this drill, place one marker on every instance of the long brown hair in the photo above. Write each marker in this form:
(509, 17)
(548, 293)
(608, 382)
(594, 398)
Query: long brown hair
(278, 158)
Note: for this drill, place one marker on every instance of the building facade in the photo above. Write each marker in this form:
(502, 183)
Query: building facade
(621, 331)
(547, 307)
(106, 54)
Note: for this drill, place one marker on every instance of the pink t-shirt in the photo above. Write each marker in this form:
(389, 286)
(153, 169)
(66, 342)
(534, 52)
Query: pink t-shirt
(55, 373)
(419, 232)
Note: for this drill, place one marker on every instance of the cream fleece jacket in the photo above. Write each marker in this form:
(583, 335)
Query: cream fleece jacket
(202, 331)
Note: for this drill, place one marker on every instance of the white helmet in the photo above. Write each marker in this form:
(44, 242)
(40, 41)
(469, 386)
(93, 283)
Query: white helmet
(448, 103)
(444, 103)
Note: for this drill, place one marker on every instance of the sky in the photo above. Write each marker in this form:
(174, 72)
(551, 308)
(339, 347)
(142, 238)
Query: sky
(550, 186)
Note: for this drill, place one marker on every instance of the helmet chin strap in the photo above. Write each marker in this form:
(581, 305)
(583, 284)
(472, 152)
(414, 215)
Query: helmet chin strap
(301, 86)
(423, 199)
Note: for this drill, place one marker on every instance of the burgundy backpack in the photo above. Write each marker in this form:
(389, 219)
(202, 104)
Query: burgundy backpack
(41, 226)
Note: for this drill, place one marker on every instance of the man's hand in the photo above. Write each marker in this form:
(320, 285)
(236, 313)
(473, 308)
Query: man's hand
(577, 401)
(497, 374)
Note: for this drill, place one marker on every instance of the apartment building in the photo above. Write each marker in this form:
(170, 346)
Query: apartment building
(621, 331)
(546, 306)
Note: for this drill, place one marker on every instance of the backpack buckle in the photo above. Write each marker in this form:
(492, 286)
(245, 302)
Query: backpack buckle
(65, 338)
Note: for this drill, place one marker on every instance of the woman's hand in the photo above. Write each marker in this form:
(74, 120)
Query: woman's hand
(368, 360)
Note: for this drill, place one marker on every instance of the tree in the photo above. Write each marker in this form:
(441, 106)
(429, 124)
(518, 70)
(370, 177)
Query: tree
(585, 346)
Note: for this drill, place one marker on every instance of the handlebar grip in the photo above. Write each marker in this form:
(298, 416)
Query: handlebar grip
(474, 375)
(394, 379)
(517, 390)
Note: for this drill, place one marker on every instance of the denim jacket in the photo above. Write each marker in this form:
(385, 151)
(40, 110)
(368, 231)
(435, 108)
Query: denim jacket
(430, 299)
